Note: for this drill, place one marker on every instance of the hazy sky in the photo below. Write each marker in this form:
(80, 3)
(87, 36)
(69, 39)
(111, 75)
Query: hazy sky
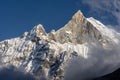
(18, 16)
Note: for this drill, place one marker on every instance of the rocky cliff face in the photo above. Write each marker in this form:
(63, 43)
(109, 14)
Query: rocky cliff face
(78, 31)
(47, 54)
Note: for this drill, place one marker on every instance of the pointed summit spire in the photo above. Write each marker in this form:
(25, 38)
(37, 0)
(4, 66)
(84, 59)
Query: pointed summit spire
(38, 30)
(78, 16)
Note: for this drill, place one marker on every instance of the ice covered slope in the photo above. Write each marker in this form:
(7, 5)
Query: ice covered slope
(47, 54)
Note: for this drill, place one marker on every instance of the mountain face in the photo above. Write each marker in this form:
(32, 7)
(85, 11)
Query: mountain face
(50, 55)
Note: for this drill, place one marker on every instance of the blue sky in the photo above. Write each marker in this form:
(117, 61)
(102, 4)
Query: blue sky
(18, 16)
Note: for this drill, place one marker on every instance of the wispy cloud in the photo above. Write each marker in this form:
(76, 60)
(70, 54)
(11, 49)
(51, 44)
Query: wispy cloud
(106, 9)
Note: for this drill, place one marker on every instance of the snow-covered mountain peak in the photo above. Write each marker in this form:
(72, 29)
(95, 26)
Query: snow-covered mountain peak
(108, 32)
(38, 30)
(78, 17)
(47, 54)
(78, 30)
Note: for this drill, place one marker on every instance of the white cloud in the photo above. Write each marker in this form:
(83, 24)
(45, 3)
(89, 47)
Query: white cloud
(100, 62)
(112, 7)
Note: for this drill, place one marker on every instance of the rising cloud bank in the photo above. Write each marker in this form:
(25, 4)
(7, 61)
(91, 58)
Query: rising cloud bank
(100, 62)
